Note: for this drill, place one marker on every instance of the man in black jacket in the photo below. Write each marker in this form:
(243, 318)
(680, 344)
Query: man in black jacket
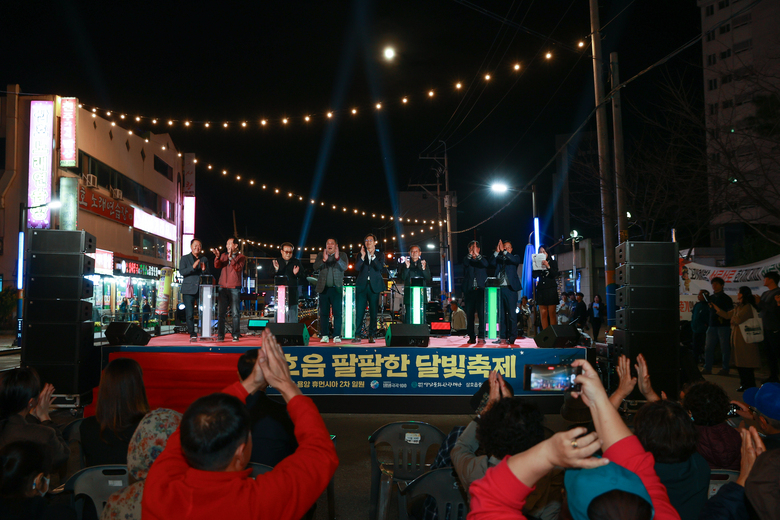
(331, 265)
(719, 331)
(413, 267)
(291, 269)
(474, 276)
(506, 271)
(191, 267)
(369, 285)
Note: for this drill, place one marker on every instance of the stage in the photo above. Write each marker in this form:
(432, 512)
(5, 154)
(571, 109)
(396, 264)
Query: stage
(347, 377)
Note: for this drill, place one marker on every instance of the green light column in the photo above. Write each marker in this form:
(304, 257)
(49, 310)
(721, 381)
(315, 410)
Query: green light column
(348, 311)
(492, 309)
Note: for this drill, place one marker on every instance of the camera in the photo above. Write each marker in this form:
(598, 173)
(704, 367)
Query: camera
(734, 410)
(551, 378)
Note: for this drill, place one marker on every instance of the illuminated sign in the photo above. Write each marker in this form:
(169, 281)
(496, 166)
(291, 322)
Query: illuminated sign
(69, 110)
(39, 180)
(188, 190)
(104, 261)
(131, 268)
(189, 215)
(96, 202)
(155, 226)
(169, 253)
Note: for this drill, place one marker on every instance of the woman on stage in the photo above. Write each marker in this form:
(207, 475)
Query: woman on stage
(547, 289)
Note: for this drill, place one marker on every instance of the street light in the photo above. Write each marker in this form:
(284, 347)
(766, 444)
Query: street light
(574, 237)
(499, 187)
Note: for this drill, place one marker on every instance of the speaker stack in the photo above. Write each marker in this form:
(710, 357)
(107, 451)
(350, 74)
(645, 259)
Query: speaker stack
(58, 332)
(648, 315)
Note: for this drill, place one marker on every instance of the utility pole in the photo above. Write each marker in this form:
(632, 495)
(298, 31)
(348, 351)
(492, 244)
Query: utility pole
(620, 162)
(607, 218)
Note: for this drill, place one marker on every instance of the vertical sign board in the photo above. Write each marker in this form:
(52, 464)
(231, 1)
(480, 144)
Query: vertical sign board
(69, 113)
(189, 175)
(39, 180)
(69, 197)
(189, 216)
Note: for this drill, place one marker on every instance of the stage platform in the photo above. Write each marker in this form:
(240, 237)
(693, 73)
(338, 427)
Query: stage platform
(347, 377)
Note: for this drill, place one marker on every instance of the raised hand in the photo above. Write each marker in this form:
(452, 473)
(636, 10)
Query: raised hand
(325, 256)
(276, 264)
(45, 399)
(627, 383)
(423, 264)
(591, 389)
(407, 263)
(500, 246)
(643, 379)
(296, 269)
(569, 450)
(752, 447)
(275, 368)
(363, 252)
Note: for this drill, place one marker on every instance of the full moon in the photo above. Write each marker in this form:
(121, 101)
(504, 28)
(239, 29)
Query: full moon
(389, 53)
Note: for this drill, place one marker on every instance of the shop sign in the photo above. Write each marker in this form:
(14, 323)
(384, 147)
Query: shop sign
(68, 121)
(155, 226)
(137, 269)
(104, 261)
(39, 180)
(95, 202)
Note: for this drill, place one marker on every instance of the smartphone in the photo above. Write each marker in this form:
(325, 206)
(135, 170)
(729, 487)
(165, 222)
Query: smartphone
(706, 298)
(551, 378)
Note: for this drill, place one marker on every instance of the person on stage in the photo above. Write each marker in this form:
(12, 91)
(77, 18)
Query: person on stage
(547, 289)
(369, 285)
(414, 267)
(292, 269)
(506, 271)
(231, 279)
(457, 319)
(474, 276)
(331, 265)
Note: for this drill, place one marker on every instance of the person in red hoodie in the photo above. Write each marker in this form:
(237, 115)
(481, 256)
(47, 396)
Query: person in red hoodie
(201, 475)
(622, 484)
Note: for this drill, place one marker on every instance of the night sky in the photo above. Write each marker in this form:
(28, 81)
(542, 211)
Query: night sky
(233, 62)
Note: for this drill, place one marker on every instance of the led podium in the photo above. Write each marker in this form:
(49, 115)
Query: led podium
(492, 308)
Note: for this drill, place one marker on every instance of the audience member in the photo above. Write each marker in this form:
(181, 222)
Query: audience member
(121, 404)
(719, 330)
(147, 443)
(273, 436)
(744, 355)
(24, 481)
(579, 313)
(700, 317)
(762, 486)
(770, 318)
(201, 474)
(765, 404)
(665, 430)
(717, 442)
(627, 383)
(24, 413)
(595, 316)
(457, 319)
(621, 485)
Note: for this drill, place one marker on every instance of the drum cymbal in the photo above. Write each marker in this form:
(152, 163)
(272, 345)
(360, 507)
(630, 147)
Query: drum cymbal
(311, 280)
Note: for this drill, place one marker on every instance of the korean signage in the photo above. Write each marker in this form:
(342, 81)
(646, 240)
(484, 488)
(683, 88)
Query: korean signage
(189, 175)
(95, 202)
(413, 371)
(69, 111)
(104, 261)
(136, 269)
(39, 180)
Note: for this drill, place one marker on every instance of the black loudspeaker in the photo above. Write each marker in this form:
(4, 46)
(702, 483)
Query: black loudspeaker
(646, 253)
(73, 378)
(645, 319)
(290, 334)
(58, 287)
(57, 311)
(557, 336)
(647, 297)
(125, 333)
(59, 241)
(661, 351)
(658, 275)
(54, 264)
(407, 335)
(57, 343)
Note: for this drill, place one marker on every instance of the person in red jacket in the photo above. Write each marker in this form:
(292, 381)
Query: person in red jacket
(620, 485)
(201, 475)
(231, 279)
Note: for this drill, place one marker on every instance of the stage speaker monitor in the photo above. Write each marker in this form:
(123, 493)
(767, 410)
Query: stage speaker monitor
(54, 264)
(290, 334)
(557, 336)
(125, 333)
(407, 335)
(61, 241)
(646, 253)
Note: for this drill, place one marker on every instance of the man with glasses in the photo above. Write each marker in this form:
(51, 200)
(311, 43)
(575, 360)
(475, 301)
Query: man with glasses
(291, 269)
(413, 267)
(369, 285)
(331, 264)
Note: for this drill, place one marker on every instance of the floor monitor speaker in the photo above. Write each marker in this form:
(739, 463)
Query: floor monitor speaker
(290, 334)
(126, 333)
(407, 335)
(557, 336)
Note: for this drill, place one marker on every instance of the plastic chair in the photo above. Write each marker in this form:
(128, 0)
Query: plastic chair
(72, 433)
(719, 477)
(97, 483)
(443, 485)
(409, 442)
(259, 469)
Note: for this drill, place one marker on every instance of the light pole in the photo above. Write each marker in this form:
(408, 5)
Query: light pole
(574, 237)
(500, 187)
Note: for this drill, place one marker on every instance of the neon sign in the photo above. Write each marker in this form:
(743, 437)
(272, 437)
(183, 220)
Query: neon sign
(104, 261)
(138, 269)
(39, 180)
(68, 122)
(154, 225)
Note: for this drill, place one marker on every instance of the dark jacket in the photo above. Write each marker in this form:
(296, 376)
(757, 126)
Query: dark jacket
(687, 484)
(700, 317)
(720, 445)
(728, 504)
(415, 270)
(286, 269)
(474, 269)
(579, 315)
(375, 268)
(338, 267)
(191, 277)
(35, 508)
(29, 428)
(109, 448)
(725, 303)
(507, 262)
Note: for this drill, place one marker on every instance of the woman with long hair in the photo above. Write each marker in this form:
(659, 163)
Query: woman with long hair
(547, 289)
(595, 315)
(745, 356)
(121, 404)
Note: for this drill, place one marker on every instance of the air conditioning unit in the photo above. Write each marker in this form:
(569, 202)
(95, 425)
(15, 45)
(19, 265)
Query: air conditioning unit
(91, 181)
(116, 194)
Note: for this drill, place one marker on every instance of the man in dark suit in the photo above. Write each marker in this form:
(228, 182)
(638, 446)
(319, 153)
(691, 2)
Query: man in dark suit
(413, 267)
(191, 267)
(474, 276)
(331, 264)
(506, 271)
(369, 285)
(291, 269)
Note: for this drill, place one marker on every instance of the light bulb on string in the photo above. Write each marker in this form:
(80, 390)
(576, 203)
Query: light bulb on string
(430, 93)
(330, 114)
(404, 100)
(207, 125)
(263, 122)
(307, 118)
(243, 124)
(548, 55)
(517, 66)
(284, 120)
(487, 77)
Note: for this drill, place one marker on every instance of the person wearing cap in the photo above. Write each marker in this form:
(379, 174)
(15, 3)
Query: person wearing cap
(765, 404)
(623, 481)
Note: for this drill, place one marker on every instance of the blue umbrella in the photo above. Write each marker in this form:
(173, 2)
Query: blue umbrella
(527, 279)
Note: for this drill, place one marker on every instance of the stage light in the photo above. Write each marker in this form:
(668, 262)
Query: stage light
(389, 255)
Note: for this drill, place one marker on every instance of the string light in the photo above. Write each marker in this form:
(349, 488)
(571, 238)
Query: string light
(487, 77)
(548, 55)
(404, 100)
(430, 93)
(581, 44)
(517, 66)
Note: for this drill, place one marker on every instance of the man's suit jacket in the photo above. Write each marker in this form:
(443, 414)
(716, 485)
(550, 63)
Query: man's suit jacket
(364, 267)
(191, 282)
(508, 262)
(286, 269)
(474, 268)
(415, 270)
(338, 266)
